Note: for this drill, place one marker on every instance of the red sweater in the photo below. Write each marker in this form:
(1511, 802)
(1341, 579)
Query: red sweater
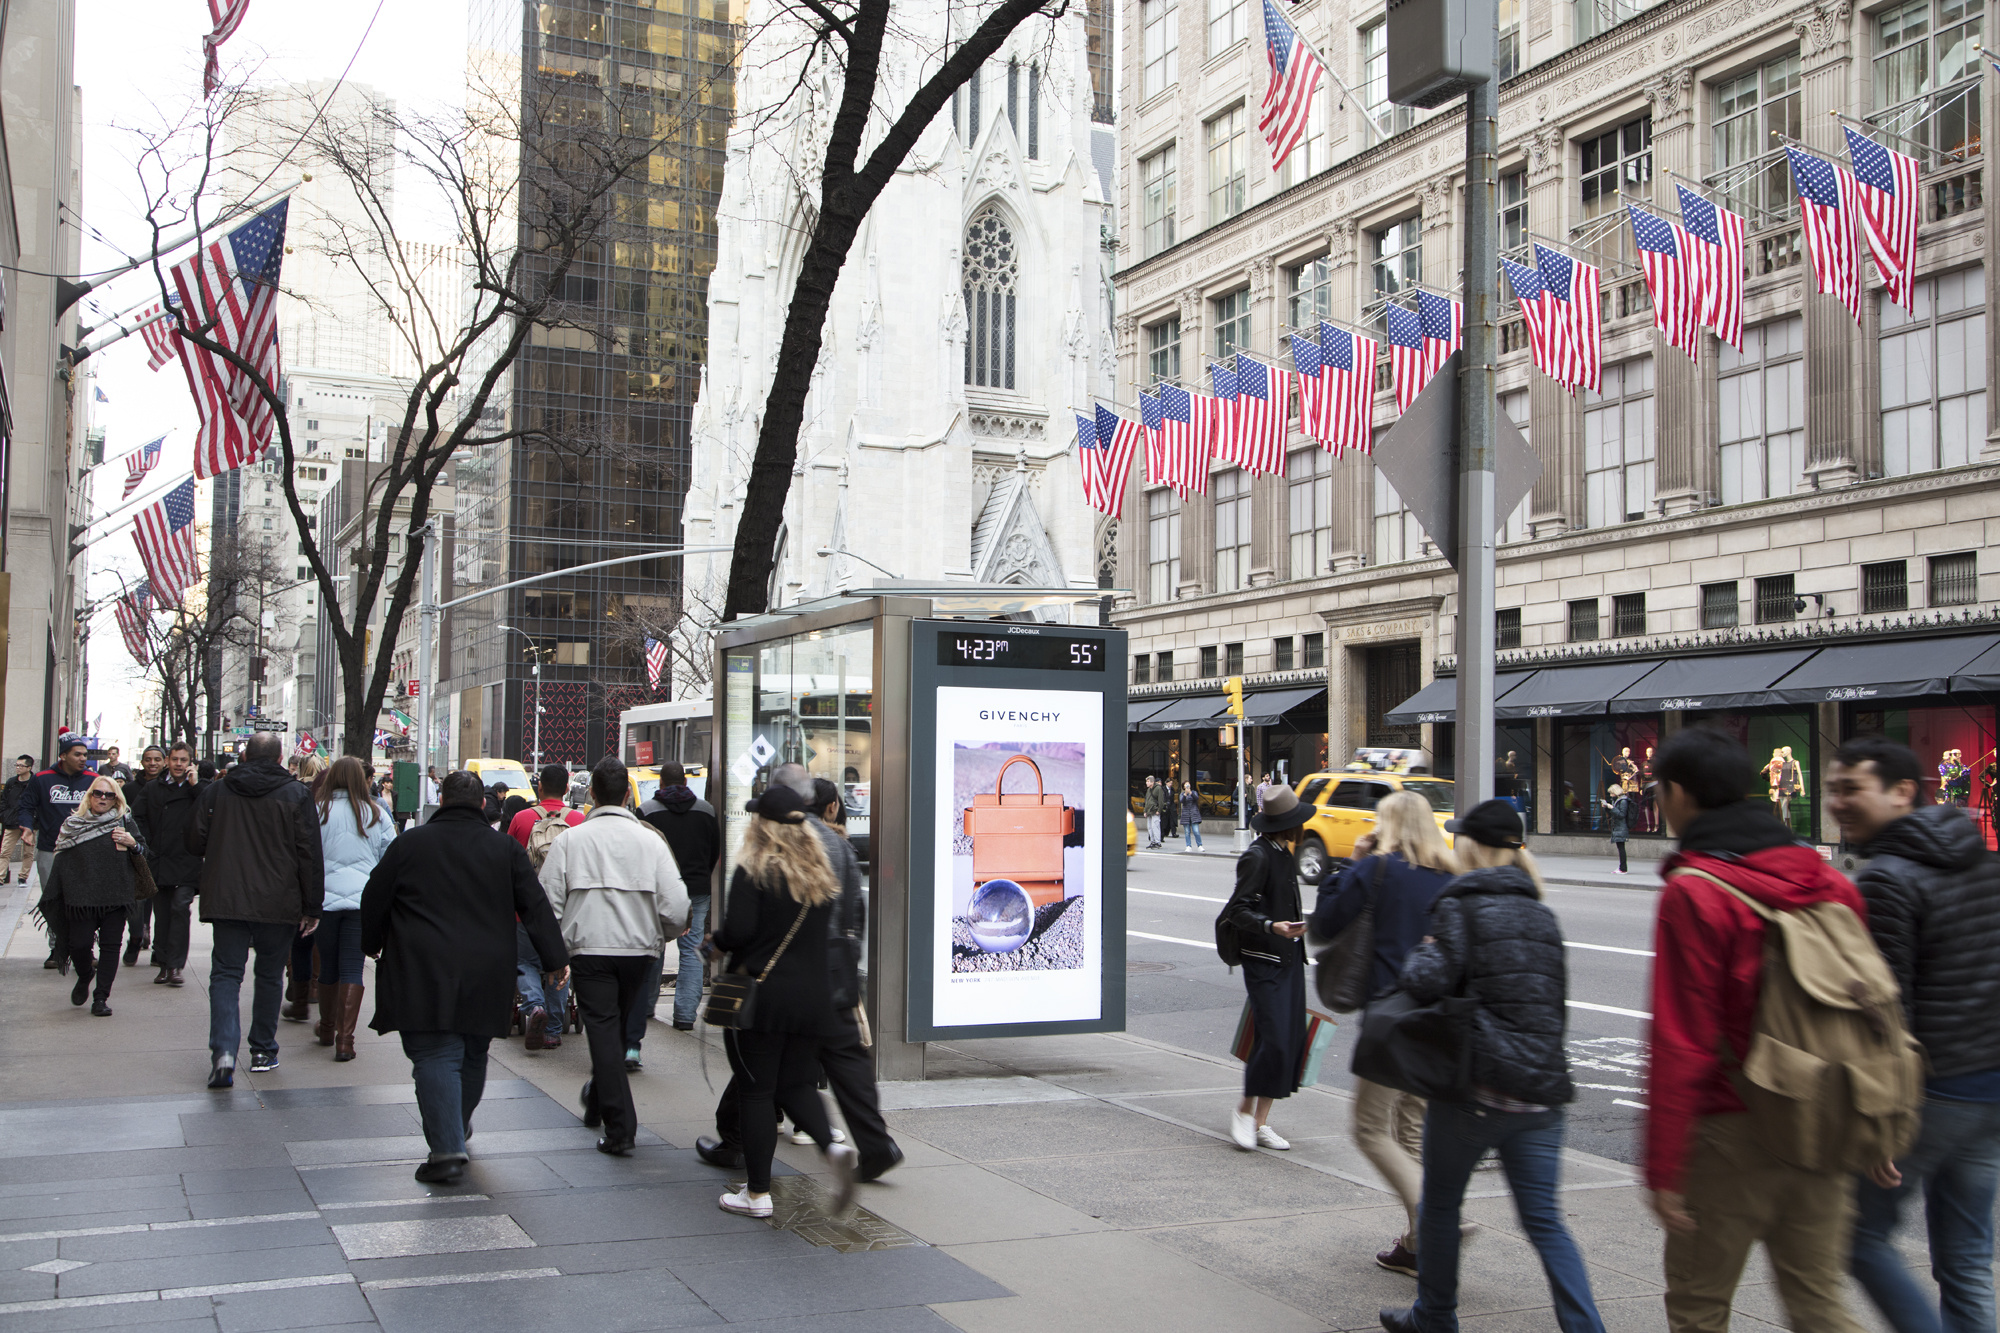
(1709, 958)
(523, 826)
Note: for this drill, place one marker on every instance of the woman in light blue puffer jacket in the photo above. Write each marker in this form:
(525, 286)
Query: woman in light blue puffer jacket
(354, 831)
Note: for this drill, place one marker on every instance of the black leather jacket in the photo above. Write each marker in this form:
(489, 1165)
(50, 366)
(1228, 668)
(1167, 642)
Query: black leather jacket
(1933, 893)
(1267, 891)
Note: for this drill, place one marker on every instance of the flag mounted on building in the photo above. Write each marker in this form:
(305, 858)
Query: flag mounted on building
(1572, 286)
(229, 291)
(225, 16)
(160, 331)
(1223, 380)
(138, 463)
(1263, 415)
(1190, 431)
(656, 663)
(1444, 329)
(1885, 189)
(1155, 422)
(164, 533)
(1546, 327)
(1826, 215)
(1717, 236)
(134, 610)
(1665, 256)
(1288, 97)
(98, 395)
(1118, 438)
(1347, 370)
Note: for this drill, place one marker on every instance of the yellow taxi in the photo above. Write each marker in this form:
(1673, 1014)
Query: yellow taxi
(1344, 810)
(507, 771)
(1131, 836)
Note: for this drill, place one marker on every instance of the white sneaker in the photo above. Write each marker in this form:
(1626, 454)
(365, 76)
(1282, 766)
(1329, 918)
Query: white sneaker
(1268, 1138)
(804, 1140)
(746, 1203)
(844, 1161)
(1243, 1129)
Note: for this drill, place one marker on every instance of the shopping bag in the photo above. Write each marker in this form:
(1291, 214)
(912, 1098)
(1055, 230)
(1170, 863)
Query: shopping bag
(1246, 1036)
(1319, 1036)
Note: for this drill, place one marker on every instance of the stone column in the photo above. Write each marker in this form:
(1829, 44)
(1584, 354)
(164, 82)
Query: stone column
(1836, 432)
(1555, 420)
(1991, 454)
(1547, 794)
(1132, 548)
(1683, 391)
(1268, 536)
(1353, 477)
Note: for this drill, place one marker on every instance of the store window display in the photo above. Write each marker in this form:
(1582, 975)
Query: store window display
(1593, 754)
(1783, 740)
(1958, 740)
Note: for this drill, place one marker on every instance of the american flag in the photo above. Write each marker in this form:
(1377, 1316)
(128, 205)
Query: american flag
(133, 610)
(1118, 438)
(1189, 425)
(1406, 355)
(656, 663)
(1825, 194)
(138, 463)
(1155, 422)
(1665, 256)
(1548, 328)
(1263, 415)
(1312, 399)
(1444, 329)
(229, 289)
(1885, 187)
(160, 332)
(1572, 286)
(165, 536)
(1223, 380)
(1295, 76)
(1717, 258)
(1347, 369)
(226, 15)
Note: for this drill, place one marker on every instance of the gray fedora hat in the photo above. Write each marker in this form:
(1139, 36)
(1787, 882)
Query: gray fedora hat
(1282, 810)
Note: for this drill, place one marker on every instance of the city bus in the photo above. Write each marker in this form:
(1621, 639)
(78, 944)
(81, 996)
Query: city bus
(653, 734)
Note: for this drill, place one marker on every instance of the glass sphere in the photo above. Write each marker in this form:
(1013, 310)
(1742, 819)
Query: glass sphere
(1001, 917)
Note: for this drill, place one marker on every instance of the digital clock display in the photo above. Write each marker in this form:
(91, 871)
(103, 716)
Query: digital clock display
(1030, 652)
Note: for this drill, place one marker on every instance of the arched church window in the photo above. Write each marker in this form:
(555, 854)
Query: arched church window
(992, 269)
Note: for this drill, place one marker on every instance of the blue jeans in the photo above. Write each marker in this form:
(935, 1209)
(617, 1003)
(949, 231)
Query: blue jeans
(233, 942)
(687, 998)
(339, 942)
(1456, 1136)
(450, 1073)
(1956, 1162)
(528, 980)
(1191, 833)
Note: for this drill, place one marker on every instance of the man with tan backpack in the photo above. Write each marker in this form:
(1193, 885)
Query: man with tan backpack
(1779, 1064)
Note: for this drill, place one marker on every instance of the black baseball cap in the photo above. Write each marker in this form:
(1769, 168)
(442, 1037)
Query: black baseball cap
(779, 804)
(1495, 823)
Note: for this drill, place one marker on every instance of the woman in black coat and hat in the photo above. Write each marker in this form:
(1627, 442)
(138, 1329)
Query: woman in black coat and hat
(1267, 925)
(91, 888)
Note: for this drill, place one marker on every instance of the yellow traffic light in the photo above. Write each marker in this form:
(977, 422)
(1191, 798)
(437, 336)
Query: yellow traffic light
(1233, 687)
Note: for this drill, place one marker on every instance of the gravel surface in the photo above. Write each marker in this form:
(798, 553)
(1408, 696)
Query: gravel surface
(1055, 946)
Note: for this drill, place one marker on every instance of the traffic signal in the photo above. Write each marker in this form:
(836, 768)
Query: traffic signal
(1233, 687)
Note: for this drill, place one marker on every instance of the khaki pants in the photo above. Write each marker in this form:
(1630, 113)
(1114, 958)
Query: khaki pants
(1739, 1195)
(14, 847)
(1389, 1130)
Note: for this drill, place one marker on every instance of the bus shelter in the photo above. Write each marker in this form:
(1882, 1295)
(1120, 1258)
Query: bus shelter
(979, 750)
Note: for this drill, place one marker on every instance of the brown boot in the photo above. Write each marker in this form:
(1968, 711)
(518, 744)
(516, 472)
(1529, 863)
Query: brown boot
(349, 999)
(298, 997)
(329, 1015)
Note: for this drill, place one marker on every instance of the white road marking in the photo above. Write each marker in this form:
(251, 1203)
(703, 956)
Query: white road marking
(1191, 897)
(1608, 948)
(1609, 1087)
(1608, 1009)
(1172, 939)
(1620, 1101)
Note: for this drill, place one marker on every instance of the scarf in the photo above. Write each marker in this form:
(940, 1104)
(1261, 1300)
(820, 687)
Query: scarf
(82, 826)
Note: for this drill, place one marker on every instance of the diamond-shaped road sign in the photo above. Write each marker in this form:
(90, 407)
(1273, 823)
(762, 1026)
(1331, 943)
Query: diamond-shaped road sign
(1419, 456)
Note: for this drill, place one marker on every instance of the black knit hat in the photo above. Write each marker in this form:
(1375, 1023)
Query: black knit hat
(1495, 823)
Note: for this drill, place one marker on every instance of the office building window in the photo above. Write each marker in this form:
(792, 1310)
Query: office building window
(992, 267)
(1398, 536)
(1885, 587)
(1628, 615)
(1281, 654)
(1315, 651)
(1163, 546)
(1507, 628)
(1776, 600)
(1228, 23)
(1927, 76)
(1163, 667)
(1954, 579)
(1232, 324)
(1310, 154)
(1618, 170)
(1232, 529)
(1309, 294)
(1514, 210)
(1207, 663)
(1718, 606)
(1232, 659)
(1761, 394)
(1387, 117)
(1751, 169)
(1309, 483)
(1515, 405)
(1142, 669)
(1228, 166)
(1163, 350)
(1618, 445)
(1583, 620)
(1157, 202)
(1160, 21)
(1509, 54)
(1398, 254)
(1596, 16)
(1934, 375)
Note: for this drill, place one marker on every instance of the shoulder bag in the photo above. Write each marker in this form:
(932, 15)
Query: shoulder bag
(1421, 1048)
(732, 996)
(143, 886)
(1343, 969)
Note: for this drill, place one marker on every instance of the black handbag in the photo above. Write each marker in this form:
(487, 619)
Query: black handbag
(732, 996)
(1420, 1048)
(1343, 969)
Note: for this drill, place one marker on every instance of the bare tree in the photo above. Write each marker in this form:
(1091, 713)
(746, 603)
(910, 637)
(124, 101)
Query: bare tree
(850, 34)
(182, 642)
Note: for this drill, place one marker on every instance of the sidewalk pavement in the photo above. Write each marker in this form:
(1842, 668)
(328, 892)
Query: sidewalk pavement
(1051, 1184)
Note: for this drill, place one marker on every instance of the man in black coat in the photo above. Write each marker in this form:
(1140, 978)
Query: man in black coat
(262, 884)
(1933, 894)
(164, 809)
(438, 914)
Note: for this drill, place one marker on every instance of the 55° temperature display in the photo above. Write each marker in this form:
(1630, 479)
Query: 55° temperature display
(1031, 652)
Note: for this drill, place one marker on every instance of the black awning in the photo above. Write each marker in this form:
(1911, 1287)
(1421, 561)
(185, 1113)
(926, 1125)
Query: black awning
(1981, 673)
(1890, 669)
(1438, 701)
(1138, 710)
(1267, 706)
(1583, 690)
(1186, 713)
(1724, 680)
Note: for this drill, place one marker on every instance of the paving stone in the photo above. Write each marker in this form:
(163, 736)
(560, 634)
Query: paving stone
(827, 1282)
(109, 1165)
(430, 1235)
(578, 1216)
(611, 1256)
(18, 1211)
(306, 1123)
(260, 1203)
(1161, 1188)
(652, 1166)
(183, 1316)
(305, 1307)
(600, 1303)
(1041, 1129)
(194, 1241)
(239, 1180)
(203, 1270)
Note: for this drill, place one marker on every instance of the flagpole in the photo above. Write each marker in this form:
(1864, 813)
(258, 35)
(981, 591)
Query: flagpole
(1872, 129)
(69, 293)
(1298, 35)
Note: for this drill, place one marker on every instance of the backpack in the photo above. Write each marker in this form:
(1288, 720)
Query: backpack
(1833, 1081)
(543, 836)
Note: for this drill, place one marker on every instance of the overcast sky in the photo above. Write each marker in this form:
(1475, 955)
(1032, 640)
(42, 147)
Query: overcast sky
(139, 64)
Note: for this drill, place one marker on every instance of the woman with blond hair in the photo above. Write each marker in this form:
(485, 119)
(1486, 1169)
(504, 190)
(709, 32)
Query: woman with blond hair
(775, 926)
(1403, 866)
(91, 888)
(354, 833)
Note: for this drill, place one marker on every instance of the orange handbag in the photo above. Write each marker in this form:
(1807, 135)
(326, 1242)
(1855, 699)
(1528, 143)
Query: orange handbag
(1020, 837)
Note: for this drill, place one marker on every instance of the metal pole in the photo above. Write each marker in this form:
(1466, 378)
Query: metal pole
(1242, 795)
(426, 624)
(1476, 644)
(538, 704)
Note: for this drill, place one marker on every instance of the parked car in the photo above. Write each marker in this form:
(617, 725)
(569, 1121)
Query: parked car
(1345, 810)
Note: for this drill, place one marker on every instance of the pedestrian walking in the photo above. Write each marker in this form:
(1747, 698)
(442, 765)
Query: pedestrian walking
(543, 1011)
(1715, 1188)
(438, 917)
(113, 768)
(164, 812)
(1190, 818)
(262, 884)
(51, 797)
(91, 887)
(16, 843)
(139, 920)
(1155, 807)
(1933, 895)
(1619, 807)
(1401, 871)
(1267, 928)
(619, 897)
(354, 833)
(777, 919)
(694, 837)
(1492, 938)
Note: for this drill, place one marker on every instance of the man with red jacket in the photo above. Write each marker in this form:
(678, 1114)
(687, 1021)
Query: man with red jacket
(1714, 1189)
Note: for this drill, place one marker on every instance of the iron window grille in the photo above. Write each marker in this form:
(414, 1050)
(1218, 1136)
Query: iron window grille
(1954, 579)
(1885, 587)
(1232, 659)
(1207, 662)
(1583, 620)
(1281, 654)
(1507, 628)
(1628, 615)
(1315, 647)
(1775, 598)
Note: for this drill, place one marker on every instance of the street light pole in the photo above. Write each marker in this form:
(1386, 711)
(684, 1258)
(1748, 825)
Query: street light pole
(536, 649)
